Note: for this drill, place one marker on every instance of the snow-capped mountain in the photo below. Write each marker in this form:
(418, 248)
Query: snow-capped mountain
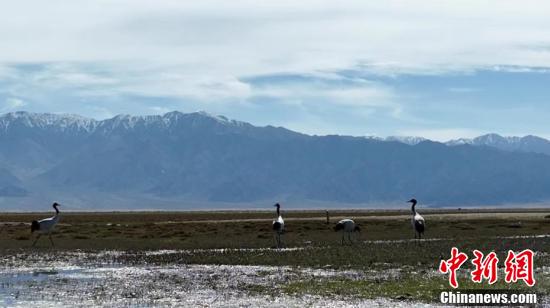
(522, 144)
(58, 122)
(494, 140)
(196, 157)
(76, 123)
(410, 140)
(528, 143)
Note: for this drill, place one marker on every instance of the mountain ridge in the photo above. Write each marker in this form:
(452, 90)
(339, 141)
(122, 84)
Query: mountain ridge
(528, 143)
(197, 157)
(44, 120)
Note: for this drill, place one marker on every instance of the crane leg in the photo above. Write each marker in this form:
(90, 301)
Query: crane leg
(36, 240)
(51, 241)
(278, 239)
(343, 238)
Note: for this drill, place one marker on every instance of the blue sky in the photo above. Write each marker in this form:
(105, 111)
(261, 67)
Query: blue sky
(438, 69)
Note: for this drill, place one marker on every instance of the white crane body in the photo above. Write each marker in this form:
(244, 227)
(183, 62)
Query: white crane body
(45, 226)
(278, 226)
(417, 221)
(347, 226)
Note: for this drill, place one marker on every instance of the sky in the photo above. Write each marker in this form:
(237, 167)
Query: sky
(431, 68)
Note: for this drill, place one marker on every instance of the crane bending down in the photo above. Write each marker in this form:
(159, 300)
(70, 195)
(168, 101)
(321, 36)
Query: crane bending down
(417, 221)
(347, 226)
(278, 226)
(45, 226)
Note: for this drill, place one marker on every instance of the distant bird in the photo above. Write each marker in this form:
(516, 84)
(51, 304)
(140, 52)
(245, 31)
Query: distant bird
(347, 226)
(417, 221)
(278, 226)
(45, 226)
(328, 217)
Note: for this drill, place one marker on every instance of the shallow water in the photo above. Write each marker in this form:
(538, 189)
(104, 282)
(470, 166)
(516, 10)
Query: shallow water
(84, 279)
(90, 279)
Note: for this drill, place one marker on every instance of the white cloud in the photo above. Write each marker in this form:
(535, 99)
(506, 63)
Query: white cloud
(248, 37)
(352, 95)
(12, 104)
(69, 76)
(203, 88)
(203, 52)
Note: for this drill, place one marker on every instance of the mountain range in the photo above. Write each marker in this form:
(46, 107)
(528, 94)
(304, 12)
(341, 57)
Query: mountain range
(197, 160)
(528, 143)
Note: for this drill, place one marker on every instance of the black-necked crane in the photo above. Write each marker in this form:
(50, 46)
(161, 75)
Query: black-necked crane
(278, 226)
(45, 226)
(417, 221)
(347, 226)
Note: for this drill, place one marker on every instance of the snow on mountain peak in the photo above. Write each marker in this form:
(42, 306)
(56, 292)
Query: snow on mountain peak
(176, 120)
(410, 140)
(488, 140)
(47, 120)
(460, 141)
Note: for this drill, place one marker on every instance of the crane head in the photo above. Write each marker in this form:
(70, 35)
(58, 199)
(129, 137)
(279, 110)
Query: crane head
(56, 204)
(412, 201)
(277, 205)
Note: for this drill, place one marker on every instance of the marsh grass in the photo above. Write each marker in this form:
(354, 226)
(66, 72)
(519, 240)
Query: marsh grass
(143, 231)
(408, 287)
(384, 245)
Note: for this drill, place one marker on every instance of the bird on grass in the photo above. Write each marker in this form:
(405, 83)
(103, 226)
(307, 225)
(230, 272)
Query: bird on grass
(45, 226)
(347, 226)
(417, 221)
(278, 226)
